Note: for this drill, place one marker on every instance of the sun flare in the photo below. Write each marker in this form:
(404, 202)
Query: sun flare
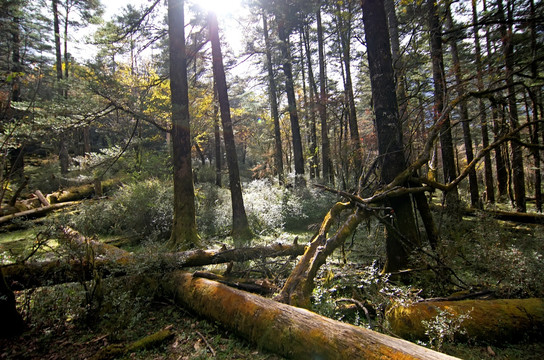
(221, 7)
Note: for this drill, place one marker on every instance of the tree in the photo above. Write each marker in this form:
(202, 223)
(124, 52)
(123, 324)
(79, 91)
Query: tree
(440, 99)
(322, 105)
(463, 107)
(488, 171)
(272, 93)
(517, 150)
(184, 232)
(283, 34)
(240, 226)
(399, 243)
(345, 27)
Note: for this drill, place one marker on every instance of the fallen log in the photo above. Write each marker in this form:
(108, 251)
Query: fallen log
(82, 191)
(112, 261)
(526, 218)
(36, 212)
(116, 350)
(489, 321)
(290, 331)
(300, 284)
(42, 198)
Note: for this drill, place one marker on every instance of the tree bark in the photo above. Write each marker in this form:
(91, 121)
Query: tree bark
(36, 212)
(389, 129)
(489, 321)
(292, 332)
(240, 226)
(488, 170)
(345, 27)
(517, 150)
(328, 174)
(310, 106)
(272, 92)
(300, 284)
(217, 138)
(291, 100)
(440, 91)
(184, 233)
(535, 94)
(12, 323)
(116, 262)
(463, 109)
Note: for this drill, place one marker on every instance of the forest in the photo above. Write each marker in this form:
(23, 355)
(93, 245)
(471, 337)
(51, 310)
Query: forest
(270, 179)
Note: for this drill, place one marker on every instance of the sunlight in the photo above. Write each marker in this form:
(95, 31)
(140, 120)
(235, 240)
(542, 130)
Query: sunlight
(221, 7)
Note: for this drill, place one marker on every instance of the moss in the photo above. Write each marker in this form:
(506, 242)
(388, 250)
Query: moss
(489, 320)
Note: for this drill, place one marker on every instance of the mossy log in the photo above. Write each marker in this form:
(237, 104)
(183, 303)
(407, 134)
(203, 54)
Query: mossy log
(36, 212)
(287, 330)
(300, 284)
(489, 321)
(112, 261)
(115, 350)
(81, 192)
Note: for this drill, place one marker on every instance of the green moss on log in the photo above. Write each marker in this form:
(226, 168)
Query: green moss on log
(490, 321)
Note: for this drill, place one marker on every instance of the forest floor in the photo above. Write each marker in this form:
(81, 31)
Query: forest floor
(61, 324)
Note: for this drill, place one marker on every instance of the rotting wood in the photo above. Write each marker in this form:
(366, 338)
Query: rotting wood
(489, 321)
(287, 330)
(36, 212)
(299, 285)
(42, 198)
(115, 350)
(81, 192)
(112, 261)
(527, 218)
(256, 286)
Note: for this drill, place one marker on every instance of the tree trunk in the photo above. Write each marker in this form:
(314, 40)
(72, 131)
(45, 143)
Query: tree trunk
(41, 211)
(463, 109)
(116, 262)
(217, 138)
(488, 321)
(345, 28)
(300, 284)
(56, 29)
(240, 226)
(535, 93)
(399, 243)
(292, 332)
(517, 150)
(184, 233)
(12, 323)
(272, 91)
(446, 140)
(291, 100)
(398, 64)
(488, 171)
(311, 106)
(322, 105)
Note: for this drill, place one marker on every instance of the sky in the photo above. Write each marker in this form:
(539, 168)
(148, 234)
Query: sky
(229, 13)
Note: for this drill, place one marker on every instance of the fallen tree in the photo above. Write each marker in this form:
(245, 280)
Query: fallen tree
(81, 192)
(527, 218)
(290, 331)
(489, 321)
(300, 284)
(112, 261)
(41, 211)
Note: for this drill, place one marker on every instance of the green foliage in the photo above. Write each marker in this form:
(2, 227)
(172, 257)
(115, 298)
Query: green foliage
(142, 209)
(501, 256)
(444, 327)
(270, 208)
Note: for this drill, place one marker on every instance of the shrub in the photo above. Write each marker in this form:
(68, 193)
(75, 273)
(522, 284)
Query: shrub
(144, 209)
